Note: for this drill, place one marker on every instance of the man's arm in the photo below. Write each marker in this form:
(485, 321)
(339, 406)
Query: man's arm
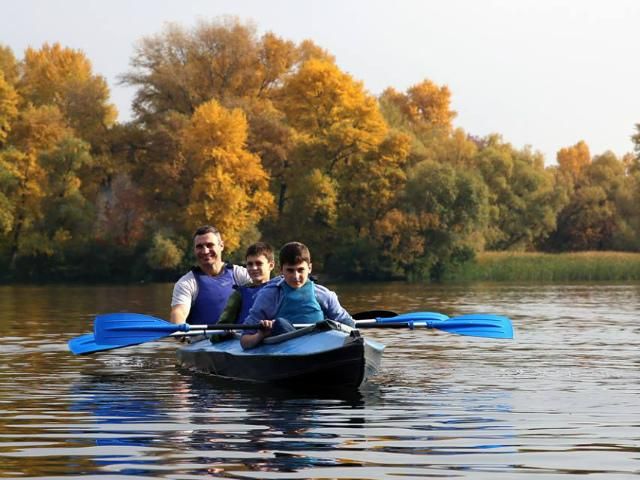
(240, 275)
(179, 314)
(184, 293)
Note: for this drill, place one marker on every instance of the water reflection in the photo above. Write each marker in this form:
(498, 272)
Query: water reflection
(120, 417)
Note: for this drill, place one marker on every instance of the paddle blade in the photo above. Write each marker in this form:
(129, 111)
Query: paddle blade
(125, 329)
(476, 325)
(87, 344)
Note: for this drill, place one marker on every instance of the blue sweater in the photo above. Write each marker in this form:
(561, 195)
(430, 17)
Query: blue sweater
(268, 300)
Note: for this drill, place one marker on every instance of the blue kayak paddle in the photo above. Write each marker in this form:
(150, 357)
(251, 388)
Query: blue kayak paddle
(475, 325)
(87, 344)
(117, 330)
(134, 328)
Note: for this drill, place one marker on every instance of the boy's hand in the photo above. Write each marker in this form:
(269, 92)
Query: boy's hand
(265, 326)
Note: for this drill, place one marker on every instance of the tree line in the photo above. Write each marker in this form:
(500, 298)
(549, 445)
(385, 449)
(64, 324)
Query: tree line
(269, 139)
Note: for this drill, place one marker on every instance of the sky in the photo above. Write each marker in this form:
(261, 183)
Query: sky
(542, 73)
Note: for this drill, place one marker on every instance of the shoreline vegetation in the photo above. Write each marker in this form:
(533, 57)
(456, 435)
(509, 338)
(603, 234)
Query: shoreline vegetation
(549, 267)
(269, 139)
(516, 267)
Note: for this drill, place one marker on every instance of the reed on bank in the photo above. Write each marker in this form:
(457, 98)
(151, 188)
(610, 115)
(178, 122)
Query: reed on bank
(550, 267)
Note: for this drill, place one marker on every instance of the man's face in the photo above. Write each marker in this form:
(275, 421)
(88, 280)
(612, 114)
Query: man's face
(208, 249)
(296, 275)
(259, 268)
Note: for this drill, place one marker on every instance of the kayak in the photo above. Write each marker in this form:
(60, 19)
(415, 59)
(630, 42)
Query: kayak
(324, 355)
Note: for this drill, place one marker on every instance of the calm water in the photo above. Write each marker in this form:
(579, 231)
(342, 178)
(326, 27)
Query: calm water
(561, 400)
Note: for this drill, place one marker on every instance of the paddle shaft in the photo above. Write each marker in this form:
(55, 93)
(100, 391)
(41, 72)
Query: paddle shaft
(221, 326)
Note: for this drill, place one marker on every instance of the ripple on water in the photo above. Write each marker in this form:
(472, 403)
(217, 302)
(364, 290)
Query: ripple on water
(558, 401)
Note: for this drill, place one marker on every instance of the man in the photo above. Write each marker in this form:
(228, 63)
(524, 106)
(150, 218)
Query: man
(200, 296)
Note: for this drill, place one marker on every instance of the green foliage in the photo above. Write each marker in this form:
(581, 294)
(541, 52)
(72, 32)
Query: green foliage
(524, 198)
(360, 259)
(591, 220)
(164, 254)
(450, 204)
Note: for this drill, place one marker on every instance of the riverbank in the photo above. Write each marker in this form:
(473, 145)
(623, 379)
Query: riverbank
(549, 267)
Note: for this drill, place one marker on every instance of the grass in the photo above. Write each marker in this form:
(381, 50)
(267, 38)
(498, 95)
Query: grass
(550, 267)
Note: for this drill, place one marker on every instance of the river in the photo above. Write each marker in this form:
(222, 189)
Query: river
(560, 400)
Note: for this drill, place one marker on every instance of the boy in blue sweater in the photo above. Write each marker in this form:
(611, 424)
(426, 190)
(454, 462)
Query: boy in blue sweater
(292, 298)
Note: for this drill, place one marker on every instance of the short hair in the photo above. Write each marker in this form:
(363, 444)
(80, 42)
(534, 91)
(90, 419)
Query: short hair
(204, 229)
(260, 248)
(293, 253)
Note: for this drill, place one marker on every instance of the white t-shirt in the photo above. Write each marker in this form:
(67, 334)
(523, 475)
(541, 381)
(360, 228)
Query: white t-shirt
(185, 290)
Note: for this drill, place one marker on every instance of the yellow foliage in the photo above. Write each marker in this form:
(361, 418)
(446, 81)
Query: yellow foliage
(48, 69)
(572, 160)
(424, 106)
(63, 77)
(8, 65)
(375, 180)
(8, 107)
(276, 57)
(331, 111)
(230, 187)
(26, 188)
(39, 128)
(400, 235)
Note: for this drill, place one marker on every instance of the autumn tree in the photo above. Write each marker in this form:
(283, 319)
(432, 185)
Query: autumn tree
(179, 69)
(63, 77)
(229, 186)
(9, 65)
(54, 118)
(572, 160)
(37, 129)
(8, 107)
(338, 131)
(424, 106)
(423, 112)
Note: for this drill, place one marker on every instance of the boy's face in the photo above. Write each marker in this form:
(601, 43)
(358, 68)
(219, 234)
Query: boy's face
(259, 268)
(296, 275)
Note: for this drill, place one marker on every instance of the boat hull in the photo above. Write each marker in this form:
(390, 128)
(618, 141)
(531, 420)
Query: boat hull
(324, 357)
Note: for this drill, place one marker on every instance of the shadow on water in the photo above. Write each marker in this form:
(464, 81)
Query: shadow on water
(202, 384)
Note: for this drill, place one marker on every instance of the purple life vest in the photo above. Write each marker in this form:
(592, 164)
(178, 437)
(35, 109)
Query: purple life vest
(213, 293)
(248, 295)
